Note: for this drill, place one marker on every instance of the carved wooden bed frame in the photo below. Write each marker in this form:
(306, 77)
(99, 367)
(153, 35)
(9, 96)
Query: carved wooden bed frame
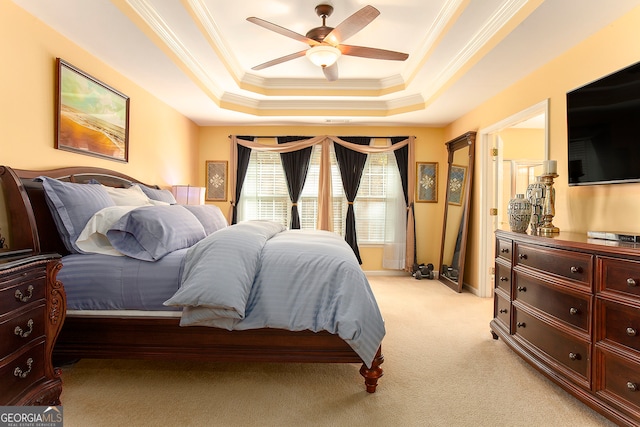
(154, 337)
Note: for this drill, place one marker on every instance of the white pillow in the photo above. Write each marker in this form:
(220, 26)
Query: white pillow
(93, 238)
(132, 196)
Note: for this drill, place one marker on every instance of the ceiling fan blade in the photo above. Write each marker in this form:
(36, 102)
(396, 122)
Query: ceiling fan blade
(331, 72)
(352, 25)
(372, 53)
(279, 60)
(283, 31)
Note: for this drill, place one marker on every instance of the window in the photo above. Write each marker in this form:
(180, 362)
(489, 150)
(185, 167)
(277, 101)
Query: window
(265, 195)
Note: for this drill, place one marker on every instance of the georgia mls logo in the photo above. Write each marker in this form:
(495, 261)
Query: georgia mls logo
(30, 416)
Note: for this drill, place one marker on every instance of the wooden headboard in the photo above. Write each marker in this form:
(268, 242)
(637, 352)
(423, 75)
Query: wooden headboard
(31, 225)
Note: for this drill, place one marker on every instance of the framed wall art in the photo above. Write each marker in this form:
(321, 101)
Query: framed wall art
(216, 174)
(426, 182)
(91, 117)
(456, 184)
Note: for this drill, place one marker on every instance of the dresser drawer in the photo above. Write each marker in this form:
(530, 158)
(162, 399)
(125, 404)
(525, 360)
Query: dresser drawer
(618, 323)
(619, 382)
(556, 346)
(504, 249)
(502, 310)
(571, 307)
(618, 275)
(18, 330)
(21, 372)
(21, 288)
(574, 266)
(502, 276)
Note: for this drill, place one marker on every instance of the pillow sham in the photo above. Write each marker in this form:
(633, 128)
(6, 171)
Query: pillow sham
(210, 216)
(72, 205)
(132, 196)
(157, 194)
(150, 232)
(93, 238)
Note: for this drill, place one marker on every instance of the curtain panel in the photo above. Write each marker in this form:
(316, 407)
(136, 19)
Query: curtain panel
(296, 166)
(351, 164)
(324, 185)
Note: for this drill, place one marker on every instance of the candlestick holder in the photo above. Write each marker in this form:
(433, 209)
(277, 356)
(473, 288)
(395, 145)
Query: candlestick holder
(549, 209)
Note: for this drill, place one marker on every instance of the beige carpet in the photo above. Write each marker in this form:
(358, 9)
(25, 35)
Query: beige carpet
(442, 368)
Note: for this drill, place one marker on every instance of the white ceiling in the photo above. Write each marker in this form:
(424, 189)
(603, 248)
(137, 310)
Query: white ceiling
(197, 55)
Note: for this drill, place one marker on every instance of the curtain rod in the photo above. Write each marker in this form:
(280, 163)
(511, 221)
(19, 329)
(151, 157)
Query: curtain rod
(304, 136)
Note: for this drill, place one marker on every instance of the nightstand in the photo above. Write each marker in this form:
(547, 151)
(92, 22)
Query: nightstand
(32, 310)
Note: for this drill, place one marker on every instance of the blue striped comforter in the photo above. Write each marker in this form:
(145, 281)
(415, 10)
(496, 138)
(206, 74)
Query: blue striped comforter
(256, 274)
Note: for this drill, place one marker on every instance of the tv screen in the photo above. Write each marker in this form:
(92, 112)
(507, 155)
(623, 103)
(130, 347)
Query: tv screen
(603, 121)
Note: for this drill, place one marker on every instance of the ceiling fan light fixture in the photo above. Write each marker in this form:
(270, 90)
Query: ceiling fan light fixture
(323, 55)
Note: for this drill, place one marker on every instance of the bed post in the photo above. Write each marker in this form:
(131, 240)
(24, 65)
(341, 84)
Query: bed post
(23, 232)
(371, 375)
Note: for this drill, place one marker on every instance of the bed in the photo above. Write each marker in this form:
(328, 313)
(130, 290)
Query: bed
(157, 334)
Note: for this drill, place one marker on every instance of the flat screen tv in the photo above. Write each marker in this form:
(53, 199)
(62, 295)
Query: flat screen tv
(603, 121)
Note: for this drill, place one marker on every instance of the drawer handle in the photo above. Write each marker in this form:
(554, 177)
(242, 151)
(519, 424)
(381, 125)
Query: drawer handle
(18, 330)
(632, 386)
(522, 256)
(576, 269)
(522, 289)
(521, 325)
(504, 250)
(574, 356)
(24, 298)
(503, 310)
(631, 332)
(573, 311)
(23, 374)
(631, 282)
(504, 279)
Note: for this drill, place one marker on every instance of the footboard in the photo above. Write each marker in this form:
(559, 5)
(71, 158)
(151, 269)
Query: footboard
(163, 339)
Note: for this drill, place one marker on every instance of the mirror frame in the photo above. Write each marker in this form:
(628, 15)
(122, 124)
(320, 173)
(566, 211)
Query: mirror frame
(463, 141)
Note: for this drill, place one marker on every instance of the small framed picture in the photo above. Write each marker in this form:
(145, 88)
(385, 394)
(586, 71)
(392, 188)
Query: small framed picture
(457, 180)
(216, 180)
(426, 182)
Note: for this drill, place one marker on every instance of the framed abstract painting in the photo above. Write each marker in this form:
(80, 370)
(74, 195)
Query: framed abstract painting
(91, 117)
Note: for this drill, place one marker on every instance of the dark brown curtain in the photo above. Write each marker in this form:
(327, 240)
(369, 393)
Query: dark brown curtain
(296, 166)
(351, 164)
(243, 164)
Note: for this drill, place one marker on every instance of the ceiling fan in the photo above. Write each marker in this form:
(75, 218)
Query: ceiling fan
(325, 43)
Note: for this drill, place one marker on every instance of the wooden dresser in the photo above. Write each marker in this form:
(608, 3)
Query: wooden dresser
(570, 306)
(32, 310)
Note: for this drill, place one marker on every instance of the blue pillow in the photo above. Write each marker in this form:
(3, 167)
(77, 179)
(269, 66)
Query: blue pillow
(150, 232)
(72, 206)
(210, 216)
(157, 194)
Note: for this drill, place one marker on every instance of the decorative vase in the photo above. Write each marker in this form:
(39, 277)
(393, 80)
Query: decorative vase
(535, 194)
(519, 213)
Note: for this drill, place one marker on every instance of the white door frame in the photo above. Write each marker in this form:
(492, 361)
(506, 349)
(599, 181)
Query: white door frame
(486, 172)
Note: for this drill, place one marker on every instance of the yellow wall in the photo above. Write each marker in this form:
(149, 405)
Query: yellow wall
(602, 207)
(214, 145)
(162, 142)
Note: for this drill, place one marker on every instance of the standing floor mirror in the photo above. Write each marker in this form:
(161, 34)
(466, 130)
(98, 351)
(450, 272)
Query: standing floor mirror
(456, 210)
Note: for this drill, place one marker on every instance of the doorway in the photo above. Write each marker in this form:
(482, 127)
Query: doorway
(509, 155)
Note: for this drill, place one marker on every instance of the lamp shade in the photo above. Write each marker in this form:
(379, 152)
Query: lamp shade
(323, 55)
(188, 195)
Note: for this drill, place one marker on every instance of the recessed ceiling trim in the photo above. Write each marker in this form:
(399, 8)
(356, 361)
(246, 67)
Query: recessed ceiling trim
(155, 22)
(489, 29)
(446, 17)
(203, 17)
